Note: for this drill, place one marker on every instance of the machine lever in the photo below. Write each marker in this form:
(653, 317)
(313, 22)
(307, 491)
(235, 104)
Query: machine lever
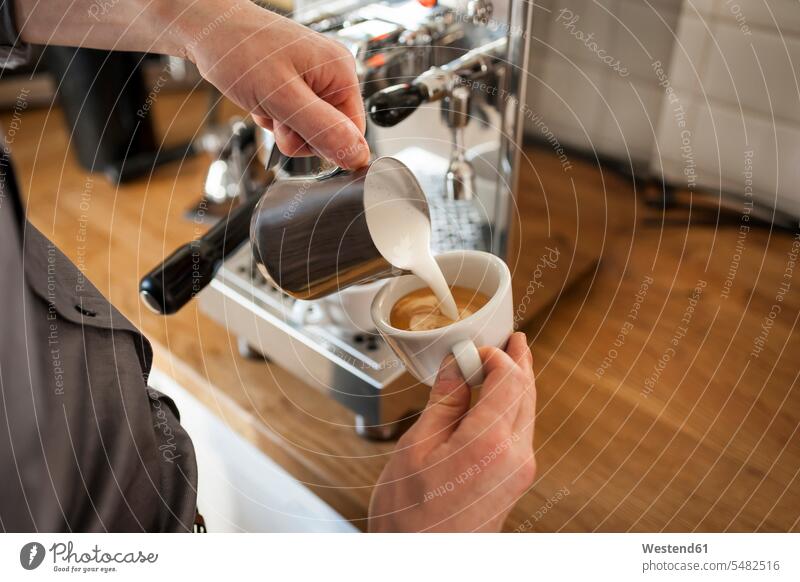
(389, 107)
(392, 105)
(188, 270)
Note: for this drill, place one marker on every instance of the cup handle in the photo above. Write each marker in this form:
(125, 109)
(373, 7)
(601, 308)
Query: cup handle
(469, 362)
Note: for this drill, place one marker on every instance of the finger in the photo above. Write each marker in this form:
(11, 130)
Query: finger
(290, 143)
(448, 403)
(352, 105)
(519, 350)
(326, 129)
(345, 93)
(524, 423)
(503, 388)
(263, 121)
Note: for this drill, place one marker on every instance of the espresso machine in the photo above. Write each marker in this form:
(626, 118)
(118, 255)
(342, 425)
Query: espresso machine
(443, 83)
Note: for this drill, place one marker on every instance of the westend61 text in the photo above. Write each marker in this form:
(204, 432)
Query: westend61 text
(671, 549)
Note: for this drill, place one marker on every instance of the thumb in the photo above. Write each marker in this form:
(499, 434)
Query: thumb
(448, 403)
(328, 131)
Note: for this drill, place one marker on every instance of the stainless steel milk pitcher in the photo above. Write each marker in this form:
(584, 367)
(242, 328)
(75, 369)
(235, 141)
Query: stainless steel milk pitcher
(310, 238)
(308, 234)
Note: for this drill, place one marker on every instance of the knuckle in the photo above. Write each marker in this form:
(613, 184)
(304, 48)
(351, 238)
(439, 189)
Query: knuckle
(489, 352)
(410, 451)
(339, 134)
(344, 54)
(416, 457)
(527, 360)
(286, 146)
(527, 471)
(289, 144)
(332, 52)
(406, 441)
(494, 436)
(331, 149)
(519, 380)
(286, 98)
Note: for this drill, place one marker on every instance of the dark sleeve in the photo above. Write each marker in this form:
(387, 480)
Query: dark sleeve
(85, 445)
(13, 52)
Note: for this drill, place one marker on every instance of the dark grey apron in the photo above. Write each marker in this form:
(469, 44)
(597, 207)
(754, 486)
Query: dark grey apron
(85, 445)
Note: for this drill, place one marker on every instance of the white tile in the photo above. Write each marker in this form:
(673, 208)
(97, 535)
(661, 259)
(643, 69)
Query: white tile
(720, 137)
(592, 20)
(779, 182)
(669, 143)
(734, 72)
(540, 35)
(573, 136)
(643, 34)
(766, 16)
(629, 121)
(667, 5)
(569, 100)
(776, 149)
(701, 6)
(688, 60)
(780, 61)
(663, 145)
(579, 87)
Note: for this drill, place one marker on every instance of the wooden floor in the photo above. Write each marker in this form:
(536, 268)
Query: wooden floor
(668, 382)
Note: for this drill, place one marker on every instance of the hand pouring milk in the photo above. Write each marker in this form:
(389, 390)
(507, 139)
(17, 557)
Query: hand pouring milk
(397, 218)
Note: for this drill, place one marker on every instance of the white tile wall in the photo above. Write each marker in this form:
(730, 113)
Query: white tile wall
(594, 18)
(629, 120)
(714, 52)
(787, 178)
(566, 74)
(772, 15)
(570, 101)
(687, 63)
(542, 11)
(700, 6)
(721, 137)
(642, 34)
(745, 95)
(755, 71)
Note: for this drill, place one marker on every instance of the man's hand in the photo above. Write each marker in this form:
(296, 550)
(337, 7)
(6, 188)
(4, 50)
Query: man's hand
(293, 81)
(460, 468)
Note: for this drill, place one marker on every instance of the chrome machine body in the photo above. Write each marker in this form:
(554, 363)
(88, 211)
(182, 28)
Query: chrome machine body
(444, 84)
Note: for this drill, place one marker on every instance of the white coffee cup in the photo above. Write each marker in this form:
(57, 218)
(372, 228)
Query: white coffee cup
(423, 351)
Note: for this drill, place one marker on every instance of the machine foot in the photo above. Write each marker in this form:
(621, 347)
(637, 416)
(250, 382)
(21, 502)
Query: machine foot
(384, 432)
(248, 351)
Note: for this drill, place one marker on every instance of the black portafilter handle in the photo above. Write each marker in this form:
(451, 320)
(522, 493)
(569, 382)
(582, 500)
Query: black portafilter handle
(392, 105)
(182, 275)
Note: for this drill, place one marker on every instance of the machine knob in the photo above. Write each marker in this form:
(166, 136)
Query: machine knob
(389, 107)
